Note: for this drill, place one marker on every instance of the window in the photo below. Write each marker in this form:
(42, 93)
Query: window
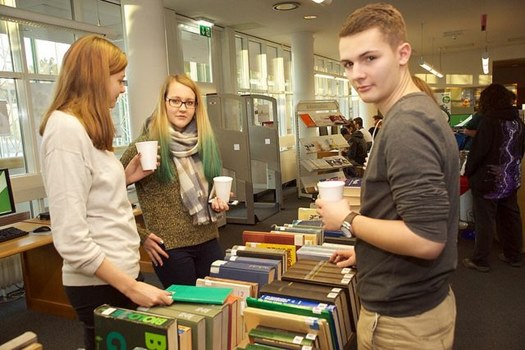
(243, 72)
(196, 50)
(257, 64)
(30, 59)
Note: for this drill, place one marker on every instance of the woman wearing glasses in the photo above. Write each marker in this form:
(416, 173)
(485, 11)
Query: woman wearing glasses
(181, 235)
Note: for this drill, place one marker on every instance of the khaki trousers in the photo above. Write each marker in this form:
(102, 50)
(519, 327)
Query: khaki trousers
(431, 330)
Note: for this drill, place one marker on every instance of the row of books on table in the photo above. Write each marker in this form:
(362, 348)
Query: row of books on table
(262, 295)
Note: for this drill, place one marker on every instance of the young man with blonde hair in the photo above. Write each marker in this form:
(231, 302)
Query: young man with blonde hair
(407, 227)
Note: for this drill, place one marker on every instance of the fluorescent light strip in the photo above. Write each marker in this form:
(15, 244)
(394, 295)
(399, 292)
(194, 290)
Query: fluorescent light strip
(319, 75)
(430, 69)
(485, 62)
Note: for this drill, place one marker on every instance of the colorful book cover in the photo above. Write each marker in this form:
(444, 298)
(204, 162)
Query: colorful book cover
(266, 237)
(307, 120)
(289, 248)
(199, 295)
(128, 329)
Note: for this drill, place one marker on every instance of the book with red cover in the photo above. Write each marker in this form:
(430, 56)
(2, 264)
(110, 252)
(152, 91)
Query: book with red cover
(267, 237)
(307, 120)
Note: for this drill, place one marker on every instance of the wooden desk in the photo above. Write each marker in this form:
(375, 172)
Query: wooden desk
(42, 270)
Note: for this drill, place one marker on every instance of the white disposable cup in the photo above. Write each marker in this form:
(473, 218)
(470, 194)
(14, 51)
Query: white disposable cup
(223, 186)
(148, 154)
(331, 191)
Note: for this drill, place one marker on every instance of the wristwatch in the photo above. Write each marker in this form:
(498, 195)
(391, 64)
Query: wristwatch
(346, 226)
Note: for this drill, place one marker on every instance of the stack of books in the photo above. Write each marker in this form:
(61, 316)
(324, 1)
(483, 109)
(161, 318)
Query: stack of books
(212, 311)
(128, 329)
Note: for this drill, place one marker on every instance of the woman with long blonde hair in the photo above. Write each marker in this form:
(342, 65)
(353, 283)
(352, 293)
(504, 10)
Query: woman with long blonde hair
(181, 236)
(93, 225)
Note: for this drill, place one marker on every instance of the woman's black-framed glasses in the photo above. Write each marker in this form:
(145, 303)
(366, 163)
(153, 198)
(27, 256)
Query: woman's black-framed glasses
(177, 103)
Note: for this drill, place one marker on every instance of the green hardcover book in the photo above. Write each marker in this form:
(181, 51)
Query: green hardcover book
(199, 295)
(129, 329)
(281, 338)
(197, 323)
(214, 316)
(335, 332)
(261, 347)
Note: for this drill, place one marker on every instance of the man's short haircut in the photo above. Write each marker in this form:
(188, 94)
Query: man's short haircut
(358, 121)
(382, 16)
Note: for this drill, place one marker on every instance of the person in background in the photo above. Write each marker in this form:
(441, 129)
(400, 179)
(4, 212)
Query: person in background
(366, 135)
(406, 231)
(181, 234)
(494, 172)
(471, 128)
(374, 130)
(93, 225)
(357, 146)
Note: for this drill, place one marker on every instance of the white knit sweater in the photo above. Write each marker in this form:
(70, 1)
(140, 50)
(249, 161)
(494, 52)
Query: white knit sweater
(91, 217)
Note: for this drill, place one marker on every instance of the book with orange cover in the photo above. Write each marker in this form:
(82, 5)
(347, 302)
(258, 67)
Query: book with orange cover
(235, 321)
(287, 235)
(307, 120)
(291, 257)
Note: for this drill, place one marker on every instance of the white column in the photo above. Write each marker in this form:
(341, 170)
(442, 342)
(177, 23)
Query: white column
(145, 41)
(303, 66)
(229, 73)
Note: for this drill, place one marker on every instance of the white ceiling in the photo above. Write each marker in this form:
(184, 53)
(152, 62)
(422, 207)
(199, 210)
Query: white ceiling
(446, 25)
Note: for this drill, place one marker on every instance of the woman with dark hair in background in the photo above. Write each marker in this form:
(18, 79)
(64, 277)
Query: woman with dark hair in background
(494, 171)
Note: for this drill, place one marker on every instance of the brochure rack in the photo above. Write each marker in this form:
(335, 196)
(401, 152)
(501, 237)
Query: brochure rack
(318, 144)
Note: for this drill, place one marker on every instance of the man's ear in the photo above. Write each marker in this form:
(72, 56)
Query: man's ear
(404, 52)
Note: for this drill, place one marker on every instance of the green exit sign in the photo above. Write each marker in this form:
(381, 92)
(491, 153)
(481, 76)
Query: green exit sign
(205, 31)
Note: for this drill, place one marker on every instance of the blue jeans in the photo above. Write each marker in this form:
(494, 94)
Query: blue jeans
(186, 264)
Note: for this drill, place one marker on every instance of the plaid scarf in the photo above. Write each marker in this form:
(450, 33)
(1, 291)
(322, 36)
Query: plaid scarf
(184, 147)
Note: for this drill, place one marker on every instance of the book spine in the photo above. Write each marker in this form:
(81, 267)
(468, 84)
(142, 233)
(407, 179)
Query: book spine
(259, 275)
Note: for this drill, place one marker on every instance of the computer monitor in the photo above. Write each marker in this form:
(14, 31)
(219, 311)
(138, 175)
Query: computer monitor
(7, 204)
